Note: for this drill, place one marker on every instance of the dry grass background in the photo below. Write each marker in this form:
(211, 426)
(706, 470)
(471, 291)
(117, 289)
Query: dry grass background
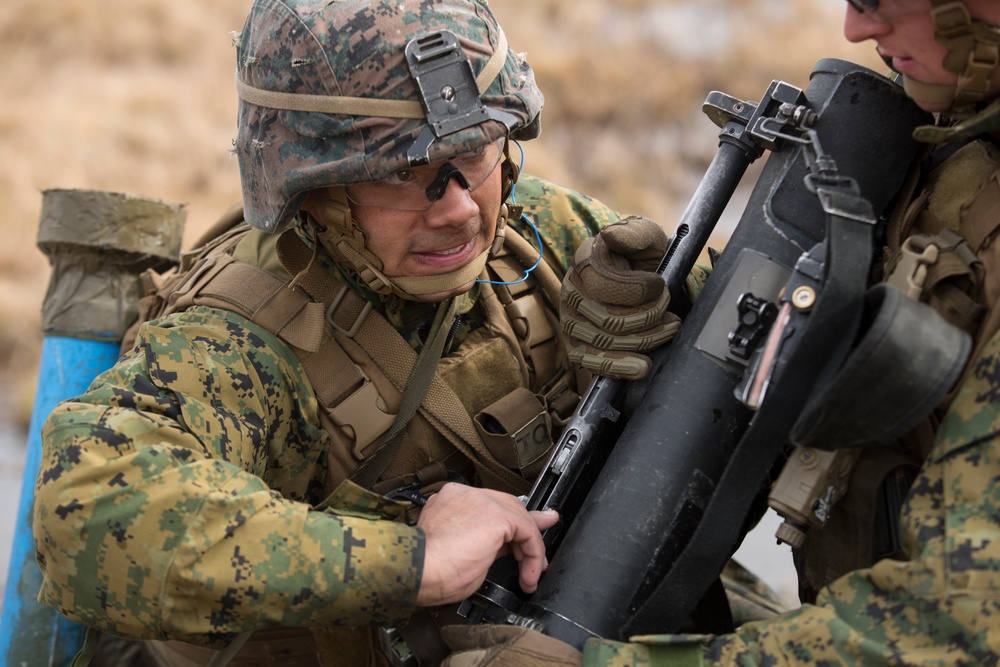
(136, 96)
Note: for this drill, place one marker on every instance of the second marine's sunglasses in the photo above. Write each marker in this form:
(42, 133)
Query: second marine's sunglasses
(896, 8)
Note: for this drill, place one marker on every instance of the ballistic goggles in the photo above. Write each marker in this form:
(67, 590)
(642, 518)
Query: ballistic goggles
(417, 188)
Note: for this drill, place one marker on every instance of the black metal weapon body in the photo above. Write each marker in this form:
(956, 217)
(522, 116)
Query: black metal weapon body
(637, 465)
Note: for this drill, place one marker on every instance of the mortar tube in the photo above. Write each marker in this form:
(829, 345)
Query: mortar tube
(648, 501)
(98, 243)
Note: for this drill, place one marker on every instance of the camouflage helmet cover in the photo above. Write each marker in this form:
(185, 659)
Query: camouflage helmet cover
(355, 49)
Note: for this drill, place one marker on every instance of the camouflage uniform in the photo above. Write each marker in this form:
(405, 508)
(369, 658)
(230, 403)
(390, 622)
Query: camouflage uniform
(177, 496)
(182, 496)
(938, 605)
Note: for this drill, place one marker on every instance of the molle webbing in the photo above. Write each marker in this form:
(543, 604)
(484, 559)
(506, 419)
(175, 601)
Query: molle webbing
(261, 297)
(959, 215)
(525, 308)
(321, 316)
(349, 317)
(943, 271)
(421, 375)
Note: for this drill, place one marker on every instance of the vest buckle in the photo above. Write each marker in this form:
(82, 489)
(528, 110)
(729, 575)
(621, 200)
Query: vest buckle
(351, 312)
(364, 413)
(910, 274)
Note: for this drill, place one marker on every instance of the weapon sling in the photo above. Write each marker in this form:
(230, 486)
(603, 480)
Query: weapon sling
(822, 345)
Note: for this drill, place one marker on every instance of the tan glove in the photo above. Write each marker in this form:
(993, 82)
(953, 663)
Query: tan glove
(613, 304)
(505, 646)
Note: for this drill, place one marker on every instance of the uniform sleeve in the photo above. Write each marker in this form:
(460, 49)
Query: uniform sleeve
(939, 608)
(564, 218)
(173, 500)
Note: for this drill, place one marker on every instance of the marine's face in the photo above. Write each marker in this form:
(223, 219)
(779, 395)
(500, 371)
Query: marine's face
(452, 231)
(903, 32)
(429, 220)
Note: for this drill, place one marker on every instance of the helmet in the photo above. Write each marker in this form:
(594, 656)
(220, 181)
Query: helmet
(973, 53)
(333, 93)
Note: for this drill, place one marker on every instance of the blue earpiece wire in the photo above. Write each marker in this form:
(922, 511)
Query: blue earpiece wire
(538, 236)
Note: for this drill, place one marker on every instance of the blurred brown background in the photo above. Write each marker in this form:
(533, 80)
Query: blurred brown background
(136, 96)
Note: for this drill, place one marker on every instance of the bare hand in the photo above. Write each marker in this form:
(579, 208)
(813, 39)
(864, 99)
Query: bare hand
(468, 528)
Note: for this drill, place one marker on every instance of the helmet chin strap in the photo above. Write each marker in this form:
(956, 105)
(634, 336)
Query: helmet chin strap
(930, 92)
(417, 286)
(973, 54)
(336, 230)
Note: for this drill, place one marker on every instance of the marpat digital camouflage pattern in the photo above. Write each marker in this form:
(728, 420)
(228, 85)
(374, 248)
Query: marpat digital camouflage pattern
(176, 497)
(940, 608)
(348, 54)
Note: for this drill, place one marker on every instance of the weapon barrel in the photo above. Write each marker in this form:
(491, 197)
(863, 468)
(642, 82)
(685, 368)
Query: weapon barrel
(589, 435)
(602, 399)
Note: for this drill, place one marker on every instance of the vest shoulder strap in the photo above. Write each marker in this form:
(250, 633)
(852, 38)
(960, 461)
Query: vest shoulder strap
(321, 318)
(355, 326)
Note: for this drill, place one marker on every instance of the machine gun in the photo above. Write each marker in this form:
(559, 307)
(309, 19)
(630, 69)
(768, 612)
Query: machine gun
(643, 468)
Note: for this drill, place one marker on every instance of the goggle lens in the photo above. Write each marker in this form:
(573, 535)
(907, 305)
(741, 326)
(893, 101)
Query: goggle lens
(412, 189)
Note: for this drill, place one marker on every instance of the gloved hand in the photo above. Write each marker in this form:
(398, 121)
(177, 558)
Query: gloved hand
(613, 304)
(505, 646)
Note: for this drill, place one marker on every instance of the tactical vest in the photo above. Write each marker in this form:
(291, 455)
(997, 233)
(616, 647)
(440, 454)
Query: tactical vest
(940, 250)
(489, 415)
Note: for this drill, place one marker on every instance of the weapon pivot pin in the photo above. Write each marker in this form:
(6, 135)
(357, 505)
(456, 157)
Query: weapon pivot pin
(804, 297)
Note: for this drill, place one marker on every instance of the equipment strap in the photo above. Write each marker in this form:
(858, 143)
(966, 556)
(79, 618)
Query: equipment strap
(348, 314)
(361, 106)
(419, 381)
(86, 653)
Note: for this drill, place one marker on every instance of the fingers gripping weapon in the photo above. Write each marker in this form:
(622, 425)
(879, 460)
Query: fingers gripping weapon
(643, 468)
